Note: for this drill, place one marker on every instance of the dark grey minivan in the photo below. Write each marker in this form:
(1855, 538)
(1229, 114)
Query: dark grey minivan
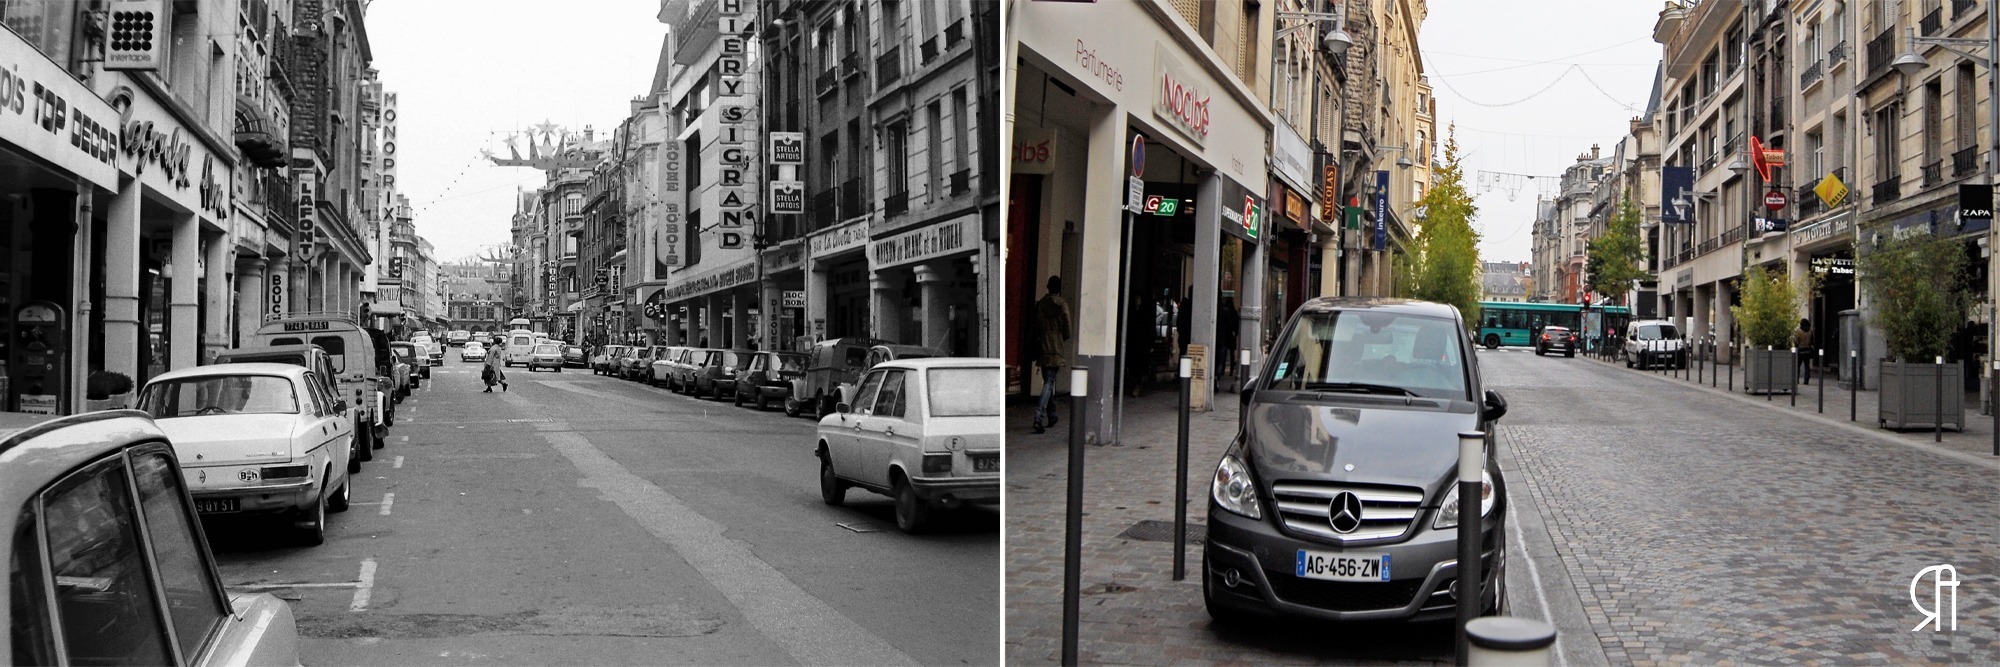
(1338, 500)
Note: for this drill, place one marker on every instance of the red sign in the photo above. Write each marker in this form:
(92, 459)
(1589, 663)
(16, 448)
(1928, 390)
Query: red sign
(1775, 200)
(1764, 158)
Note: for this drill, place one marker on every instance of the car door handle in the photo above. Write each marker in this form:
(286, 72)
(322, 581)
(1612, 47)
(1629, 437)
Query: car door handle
(890, 431)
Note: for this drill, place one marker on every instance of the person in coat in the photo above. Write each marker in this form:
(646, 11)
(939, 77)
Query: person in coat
(496, 369)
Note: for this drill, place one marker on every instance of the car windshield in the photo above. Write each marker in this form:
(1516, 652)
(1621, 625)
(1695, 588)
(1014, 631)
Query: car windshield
(964, 392)
(792, 362)
(1372, 351)
(474, 345)
(546, 349)
(1555, 331)
(1658, 332)
(404, 352)
(226, 394)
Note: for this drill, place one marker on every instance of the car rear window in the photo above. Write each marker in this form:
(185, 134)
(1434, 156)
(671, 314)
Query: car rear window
(336, 347)
(964, 392)
(226, 394)
(856, 356)
(547, 349)
(791, 362)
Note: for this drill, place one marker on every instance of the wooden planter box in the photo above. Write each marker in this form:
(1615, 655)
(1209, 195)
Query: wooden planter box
(1769, 371)
(1909, 396)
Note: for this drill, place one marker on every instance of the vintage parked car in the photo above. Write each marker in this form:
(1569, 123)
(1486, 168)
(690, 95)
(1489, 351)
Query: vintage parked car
(546, 355)
(472, 351)
(769, 376)
(1347, 461)
(574, 357)
(891, 352)
(607, 357)
(638, 365)
(666, 358)
(87, 585)
(458, 338)
(829, 364)
(258, 439)
(925, 432)
(423, 361)
(361, 362)
(715, 372)
(304, 356)
(405, 359)
(681, 368)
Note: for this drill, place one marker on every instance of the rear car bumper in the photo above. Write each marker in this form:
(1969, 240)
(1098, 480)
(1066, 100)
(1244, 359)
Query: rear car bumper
(1262, 561)
(268, 498)
(957, 490)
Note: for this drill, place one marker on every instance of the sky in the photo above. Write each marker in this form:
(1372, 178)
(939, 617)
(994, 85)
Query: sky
(469, 72)
(1532, 84)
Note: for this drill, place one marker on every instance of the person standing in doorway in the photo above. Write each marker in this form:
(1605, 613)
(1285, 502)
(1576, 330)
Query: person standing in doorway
(1225, 337)
(1052, 323)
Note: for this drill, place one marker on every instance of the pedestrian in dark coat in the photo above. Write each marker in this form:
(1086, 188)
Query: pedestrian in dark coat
(496, 369)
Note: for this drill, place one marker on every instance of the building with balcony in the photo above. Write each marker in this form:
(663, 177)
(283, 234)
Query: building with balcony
(475, 294)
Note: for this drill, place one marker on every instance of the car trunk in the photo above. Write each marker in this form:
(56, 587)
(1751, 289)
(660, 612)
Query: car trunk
(231, 439)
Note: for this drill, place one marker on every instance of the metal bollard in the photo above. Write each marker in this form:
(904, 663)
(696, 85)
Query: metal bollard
(1471, 586)
(1181, 472)
(1073, 519)
(1994, 393)
(1937, 413)
(1732, 372)
(1769, 386)
(1794, 352)
(1507, 641)
(1854, 389)
(1822, 382)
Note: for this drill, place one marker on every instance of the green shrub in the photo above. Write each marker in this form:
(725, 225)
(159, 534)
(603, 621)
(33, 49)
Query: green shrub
(1915, 284)
(105, 384)
(1771, 303)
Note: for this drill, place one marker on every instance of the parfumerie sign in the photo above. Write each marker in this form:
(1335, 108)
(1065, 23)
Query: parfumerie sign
(46, 112)
(1179, 99)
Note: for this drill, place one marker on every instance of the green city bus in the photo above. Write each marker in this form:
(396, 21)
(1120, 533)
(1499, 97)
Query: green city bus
(1515, 324)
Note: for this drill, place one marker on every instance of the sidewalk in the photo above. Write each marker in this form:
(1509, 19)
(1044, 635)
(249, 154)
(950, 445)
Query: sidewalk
(1975, 442)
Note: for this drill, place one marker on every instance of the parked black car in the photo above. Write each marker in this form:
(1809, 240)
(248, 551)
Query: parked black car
(1347, 464)
(769, 376)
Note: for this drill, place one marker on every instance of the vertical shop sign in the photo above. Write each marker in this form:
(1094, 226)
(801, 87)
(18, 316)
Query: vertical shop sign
(308, 234)
(1382, 210)
(736, 196)
(673, 197)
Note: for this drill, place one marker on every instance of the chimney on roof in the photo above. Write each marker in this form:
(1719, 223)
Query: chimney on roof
(1593, 151)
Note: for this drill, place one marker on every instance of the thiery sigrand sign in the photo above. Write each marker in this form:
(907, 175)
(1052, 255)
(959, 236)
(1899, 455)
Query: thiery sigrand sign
(736, 196)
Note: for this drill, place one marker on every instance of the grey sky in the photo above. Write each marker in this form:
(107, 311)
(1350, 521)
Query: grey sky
(467, 72)
(1507, 121)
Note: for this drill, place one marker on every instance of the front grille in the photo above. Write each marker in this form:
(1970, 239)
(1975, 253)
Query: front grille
(1344, 595)
(1385, 511)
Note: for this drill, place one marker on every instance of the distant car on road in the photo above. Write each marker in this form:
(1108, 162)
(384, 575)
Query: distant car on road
(573, 357)
(715, 372)
(1554, 339)
(258, 438)
(829, 364)
(607, 358)
(546, 355)
(472, 351)
(925, 432)
(1655, 342)
(423, 358)
(88, 586)
(458, 338)
(769, 376)
(404, 362)
(638, 365)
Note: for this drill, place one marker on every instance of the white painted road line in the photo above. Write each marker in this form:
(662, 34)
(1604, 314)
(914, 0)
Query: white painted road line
(364, 587)
(402, 438)
(1520, 548)
(399, 462)
(388, 500)
(273, 587)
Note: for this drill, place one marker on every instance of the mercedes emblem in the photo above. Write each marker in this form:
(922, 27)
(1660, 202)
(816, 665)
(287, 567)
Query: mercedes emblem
(1344, 512)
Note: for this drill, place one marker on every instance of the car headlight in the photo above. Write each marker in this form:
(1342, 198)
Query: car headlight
(1233, 489)
(1448, 510)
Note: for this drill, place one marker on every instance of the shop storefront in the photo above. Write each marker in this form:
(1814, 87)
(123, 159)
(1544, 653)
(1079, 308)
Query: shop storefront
(784, 296)
(837, 283)
(928, 285)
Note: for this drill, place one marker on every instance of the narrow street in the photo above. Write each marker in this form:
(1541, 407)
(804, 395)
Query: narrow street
(579, 519)
(1654, 523)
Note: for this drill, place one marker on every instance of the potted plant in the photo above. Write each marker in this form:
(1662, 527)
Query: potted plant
(107, 390)
(1771, 303)
(1916, 286)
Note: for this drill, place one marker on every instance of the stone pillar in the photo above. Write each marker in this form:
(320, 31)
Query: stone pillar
(740, 334)
(1207, 276)
(1097, 304)
(711, 315)
(933, 282)
(185, 294)
(123, 333)
(1329, 262)
(221, 259)
(1723, 318)
(819, 293)
(252, 293)
(1251, 334)
(884, 313)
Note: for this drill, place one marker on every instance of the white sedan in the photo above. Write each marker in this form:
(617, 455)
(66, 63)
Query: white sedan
(925, 432)
(258, 439)
(472, 351)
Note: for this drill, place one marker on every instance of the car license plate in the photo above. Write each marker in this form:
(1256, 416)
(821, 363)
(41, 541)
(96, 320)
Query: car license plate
(986, 464)
(212, 505)
(1342, 567)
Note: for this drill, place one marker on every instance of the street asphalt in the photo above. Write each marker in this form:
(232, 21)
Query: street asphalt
(583, 519)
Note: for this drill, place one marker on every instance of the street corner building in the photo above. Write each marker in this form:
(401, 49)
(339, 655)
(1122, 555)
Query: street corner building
(797, 172)
(160, 202)
(1195, 171)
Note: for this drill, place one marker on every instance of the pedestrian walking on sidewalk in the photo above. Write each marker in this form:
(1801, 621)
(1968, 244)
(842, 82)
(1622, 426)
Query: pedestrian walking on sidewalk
(496, 370)
(1802, 339)
(1052, 321)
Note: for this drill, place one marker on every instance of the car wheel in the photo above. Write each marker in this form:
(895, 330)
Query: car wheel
(311, 529)
(388, 419)
(1570, 354)
(832, 491)
(792, 407)
(1538, 351)
(1492, 341)
(340, 501)
(911, 512)
(364, 439)
(762, 404)
(353, 456)
(737, 396)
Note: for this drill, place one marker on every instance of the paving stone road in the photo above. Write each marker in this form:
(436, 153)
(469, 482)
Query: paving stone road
(1666, 524)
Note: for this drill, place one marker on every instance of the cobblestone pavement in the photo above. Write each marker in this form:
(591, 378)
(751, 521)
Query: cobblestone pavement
(1656, 523)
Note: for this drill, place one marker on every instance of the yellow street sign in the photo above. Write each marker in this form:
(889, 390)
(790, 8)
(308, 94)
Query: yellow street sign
(1831, 191)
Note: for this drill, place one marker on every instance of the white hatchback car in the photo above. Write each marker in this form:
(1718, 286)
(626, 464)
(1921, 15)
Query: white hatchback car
(258, 439)
(923, 431)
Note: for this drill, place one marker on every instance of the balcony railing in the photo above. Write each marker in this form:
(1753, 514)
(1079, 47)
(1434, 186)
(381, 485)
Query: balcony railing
(961, 181)
(1811, 75)
(823, 213)
(897, 203)
(1733, 235)
(1932, 23)
(889, 66)
(1707, 165)
(1934, 173)
(1959, 8)
(954, 34)
(1881, 50)
(850, 65)
(1806, 200)
(1964, 161)
(852, 204)
(929, 50)
(1837, 54)
(1883, 193)
(826, 82)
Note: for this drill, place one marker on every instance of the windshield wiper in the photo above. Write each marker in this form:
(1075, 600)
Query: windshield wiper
(1361, 388)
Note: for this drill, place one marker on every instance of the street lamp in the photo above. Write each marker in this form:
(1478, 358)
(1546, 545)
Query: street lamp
(1401, 162)
(1910, 64)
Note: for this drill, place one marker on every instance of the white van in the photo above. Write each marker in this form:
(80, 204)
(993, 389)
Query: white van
(1655, 342)
(357, 362)
(520, 347)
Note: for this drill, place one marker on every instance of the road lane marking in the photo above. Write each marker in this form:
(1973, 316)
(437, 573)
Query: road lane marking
(388, 500)
(399, 462)
(1535, 575)
(364, 587)
(273, 587)
(809, 629)
(402, 438)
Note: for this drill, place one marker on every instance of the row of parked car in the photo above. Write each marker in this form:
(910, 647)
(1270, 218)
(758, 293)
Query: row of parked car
(804, 383)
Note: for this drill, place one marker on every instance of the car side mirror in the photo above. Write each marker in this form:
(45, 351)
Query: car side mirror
(340, 405)
(841, 408)
(1496, 406)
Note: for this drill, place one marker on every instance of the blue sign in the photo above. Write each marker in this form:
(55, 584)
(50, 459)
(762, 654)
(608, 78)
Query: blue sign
(1382, 210)
(1675, 182)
